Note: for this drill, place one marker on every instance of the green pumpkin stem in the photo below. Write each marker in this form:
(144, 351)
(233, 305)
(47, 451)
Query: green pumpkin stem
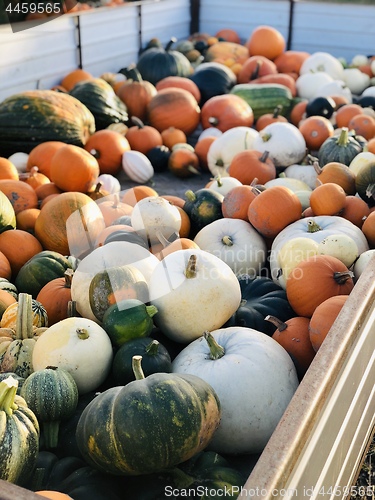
(191, 268)
(216, 350)
(370, 191)
(312, 226)
(218, 180)
(68, 275)
(343, 138)
(342, 277)
(137, 122)
(153, 348)
(280, 325)
(72, 309)
(137, 367)
(50, 432)
(82, 333)
(190, 195)
(24, 321)
(151, 310)
(8, 391)
(264, 156)
(227, 240)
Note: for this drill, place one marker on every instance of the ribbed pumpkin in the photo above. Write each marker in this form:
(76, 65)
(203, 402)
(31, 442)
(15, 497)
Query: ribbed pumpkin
(156, 63)
(342, 148)
(180, 412)
(102, 101)
(52, 394)
(314, 280)
(76, 221)
(35, 116)
(143, 137)
(136, 93)
(19, 435)
(174, 107)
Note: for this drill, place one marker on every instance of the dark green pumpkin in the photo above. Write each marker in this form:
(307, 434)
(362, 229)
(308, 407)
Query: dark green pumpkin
(128, 319)
(365, 183)
(203, 207)
(52, 394)
(19, 435)
(213, 79)
(261, 296)
(35, 116)
(155, 359)
(39, 270)
(159, 156)
(9, 287)
(7, 214)
(341, 148)
(115, 284)
(157, 422)
(124, 235)
(102, 101)
(157, 63)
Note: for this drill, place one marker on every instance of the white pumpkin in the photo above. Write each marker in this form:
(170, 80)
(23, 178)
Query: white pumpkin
(77, 345)
(323, 62)
(229, 143)
(304, 173)
(356, 80)
(223, 185)
(284, 142)
(359, 60)
(362, 262)
(109, 183)
(341, 246)
(306, 84)
(299, 187)
(291, 254)
(370, 91)
(155, 219)
(316, 228)
(335, 87)
(236, 242)
(193, 291)
(361, 160)
(254, 378)
(210, 132)
(137, 166)
(19, 160)
(117, 253)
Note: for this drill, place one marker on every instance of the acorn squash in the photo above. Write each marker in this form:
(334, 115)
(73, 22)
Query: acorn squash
(35, 116)
(342, 148)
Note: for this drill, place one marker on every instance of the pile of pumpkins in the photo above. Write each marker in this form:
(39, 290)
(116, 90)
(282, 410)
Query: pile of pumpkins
(151, 342)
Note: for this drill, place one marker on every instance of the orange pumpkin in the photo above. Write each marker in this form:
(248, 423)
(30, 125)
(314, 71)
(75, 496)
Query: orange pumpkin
(229, 35)
(174, 200)
(5, 269)
(323, 318)
(55, 297)
(172, 135)
(345, 113)
(235, 204)
(133, 195)
(268, 118)
(184, 231)
(136, 94)
(363, 125)
(75, 76)
(26, 219)
(34, 178)
(8, 170)
(371, 146)
(109, 230)
(280, 79)
(76, 221)
(268, 220)
(40, 156)
(327, 199)
(178, 244)
(255, 67)
(315, 130)
(112, 208)
(368, 229)
(143, 137)
(294, 336)
(47, 189)
(291, 61)
(18, 246)
(314, 280)
(174, 107)
(338, 173)
(355, 210)
(6, 300)
(201, 150)
(20, 194)
(183, 162)
(225, 112)
(298, 112)
(180, 82)
(250, 164)
(74, 169)
(266, 41)
(107, 146)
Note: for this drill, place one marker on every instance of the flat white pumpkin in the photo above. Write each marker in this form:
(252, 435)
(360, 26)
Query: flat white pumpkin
(341, 246)
(77, 345)
(254, 378)
(193, 291)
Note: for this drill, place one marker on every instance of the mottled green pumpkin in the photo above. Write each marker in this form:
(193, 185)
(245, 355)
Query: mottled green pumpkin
(35, 116)
(148, 425)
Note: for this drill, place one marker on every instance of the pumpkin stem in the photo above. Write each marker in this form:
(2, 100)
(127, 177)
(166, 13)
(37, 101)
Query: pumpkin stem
(318, 169)
(227, 240)
(50, 432)
(191, 268)
(370, 191)
(190, 195)
(137, 367)
(24, 321)
(218, 180)
(219, 162)
(193, 170)
(82, 333)
(342, 277)
(277, 111)
(151, 310)
(8, 391)
(153, 348)
(312, 226)
(264, 156)
(137, 122)
(132, 73)
(343, 138)
(216, 350)
(170, 43)
(213, 120)
(68, 275)
(266, 137)
(280, 325)
(72, 309)
(255, 73)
